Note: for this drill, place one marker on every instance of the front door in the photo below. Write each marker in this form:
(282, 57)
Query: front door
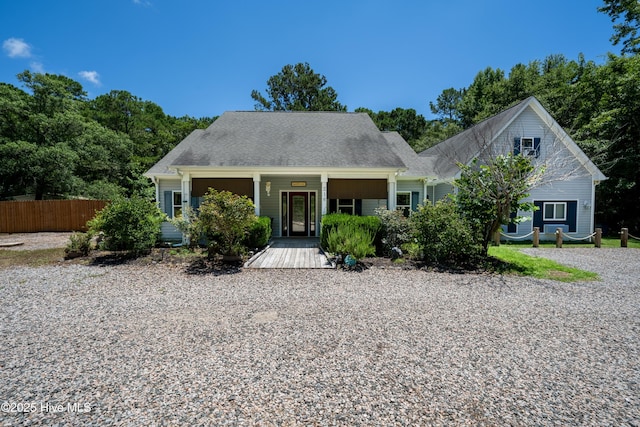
(298, 214)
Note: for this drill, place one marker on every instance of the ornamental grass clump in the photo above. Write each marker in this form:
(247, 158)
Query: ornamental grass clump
(348, 241)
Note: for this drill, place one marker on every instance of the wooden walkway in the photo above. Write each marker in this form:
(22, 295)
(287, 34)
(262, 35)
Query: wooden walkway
(291, 253)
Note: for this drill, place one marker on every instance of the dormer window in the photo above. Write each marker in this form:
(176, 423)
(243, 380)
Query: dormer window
(527, 146)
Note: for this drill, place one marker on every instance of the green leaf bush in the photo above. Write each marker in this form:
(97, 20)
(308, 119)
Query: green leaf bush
(395, 230)
(371, 224)
(131, 224)
(226, 219)
(444, 236)
(259, 233)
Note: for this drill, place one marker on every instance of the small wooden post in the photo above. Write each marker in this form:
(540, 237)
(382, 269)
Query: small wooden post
(624, 238)
(598, 237)
(536, 237)
(558, 237)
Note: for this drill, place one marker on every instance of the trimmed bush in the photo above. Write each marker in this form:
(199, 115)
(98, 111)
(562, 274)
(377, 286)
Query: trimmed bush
(369, 224)
(444, 236)
(128, 225)
(351, 239)
(259, 233)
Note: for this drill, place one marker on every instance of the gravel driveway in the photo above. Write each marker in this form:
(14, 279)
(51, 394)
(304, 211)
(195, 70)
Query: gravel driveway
(152, 345)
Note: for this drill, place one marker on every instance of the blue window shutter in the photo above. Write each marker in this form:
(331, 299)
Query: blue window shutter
(572, 216)
(536, 146)
(414, 200)
(511, 227)
(516, 146)
(168, 203)
(537, 216)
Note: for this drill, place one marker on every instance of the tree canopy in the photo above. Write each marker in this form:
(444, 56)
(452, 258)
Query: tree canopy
(298, 88)
(54, 142)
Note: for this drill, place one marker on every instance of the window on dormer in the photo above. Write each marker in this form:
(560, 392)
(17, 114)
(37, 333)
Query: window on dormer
(527, 147)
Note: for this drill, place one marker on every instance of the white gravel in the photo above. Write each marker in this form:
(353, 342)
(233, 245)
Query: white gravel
(157, 346)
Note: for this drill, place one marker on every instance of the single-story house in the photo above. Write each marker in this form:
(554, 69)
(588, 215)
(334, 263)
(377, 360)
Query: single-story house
(299, 166)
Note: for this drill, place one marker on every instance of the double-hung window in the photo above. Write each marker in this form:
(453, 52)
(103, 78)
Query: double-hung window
(346, 206)
(177, 204)
(555, 211)
(403, 202)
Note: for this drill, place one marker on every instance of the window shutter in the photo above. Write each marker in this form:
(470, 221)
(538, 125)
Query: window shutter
(168, 203)
(359, 207)
(516, 146)
(333, 205)
(537, 216)
(536, 146)
(572, 216)
(511, 227)
(414, 200)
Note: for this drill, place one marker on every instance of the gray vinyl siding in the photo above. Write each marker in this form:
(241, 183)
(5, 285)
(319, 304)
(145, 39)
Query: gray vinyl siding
(369, 206)
(565, 179)
(578, 190)
(169, 232)
(442, 191)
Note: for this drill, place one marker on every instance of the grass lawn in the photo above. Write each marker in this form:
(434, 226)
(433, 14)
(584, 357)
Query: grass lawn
(541, 268)
(34, 258)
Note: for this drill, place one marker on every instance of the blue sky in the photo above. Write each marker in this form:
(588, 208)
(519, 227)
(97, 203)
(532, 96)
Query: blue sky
(203, 57)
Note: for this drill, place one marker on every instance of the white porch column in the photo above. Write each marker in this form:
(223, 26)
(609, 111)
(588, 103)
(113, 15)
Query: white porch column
(256, 192)
(324, 179)
(186, 199)
(391, 192)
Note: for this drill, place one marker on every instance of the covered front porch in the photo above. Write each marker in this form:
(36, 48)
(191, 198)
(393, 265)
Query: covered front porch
(296, 202)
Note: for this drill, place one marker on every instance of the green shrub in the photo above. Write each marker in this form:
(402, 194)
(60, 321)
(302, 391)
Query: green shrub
(371, 224)
(351, 239)
(225, 220)
(79, 245)
(443, 235)
(259, 233)
(395, 230)
(128, 224)
(188, 225)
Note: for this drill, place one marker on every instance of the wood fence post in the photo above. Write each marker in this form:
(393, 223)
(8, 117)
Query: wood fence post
(558, 237)
(536, 237)
(624, 238)
(598, 237)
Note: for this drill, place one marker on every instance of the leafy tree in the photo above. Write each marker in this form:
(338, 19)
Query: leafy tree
(297, 88)
(406, 122)
(625, 31)
(447, 105)
(488, 194)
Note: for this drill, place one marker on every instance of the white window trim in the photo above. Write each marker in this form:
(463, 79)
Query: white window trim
(175, 206)
(544, 211)
(346, 205)
(529, 149)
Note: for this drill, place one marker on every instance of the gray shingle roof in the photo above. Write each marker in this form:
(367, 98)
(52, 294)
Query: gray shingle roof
(285, 139)
(466, 145)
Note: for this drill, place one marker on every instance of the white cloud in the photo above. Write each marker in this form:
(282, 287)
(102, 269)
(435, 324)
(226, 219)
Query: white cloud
(90, 76)
(37, 67)
(142, 2)
(16, 48)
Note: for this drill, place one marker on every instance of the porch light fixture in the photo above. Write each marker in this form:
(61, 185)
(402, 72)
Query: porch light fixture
(267, 187)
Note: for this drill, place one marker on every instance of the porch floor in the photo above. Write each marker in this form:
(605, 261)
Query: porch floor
(302, 252)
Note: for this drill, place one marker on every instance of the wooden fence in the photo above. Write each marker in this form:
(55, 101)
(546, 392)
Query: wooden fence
(47, 215)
